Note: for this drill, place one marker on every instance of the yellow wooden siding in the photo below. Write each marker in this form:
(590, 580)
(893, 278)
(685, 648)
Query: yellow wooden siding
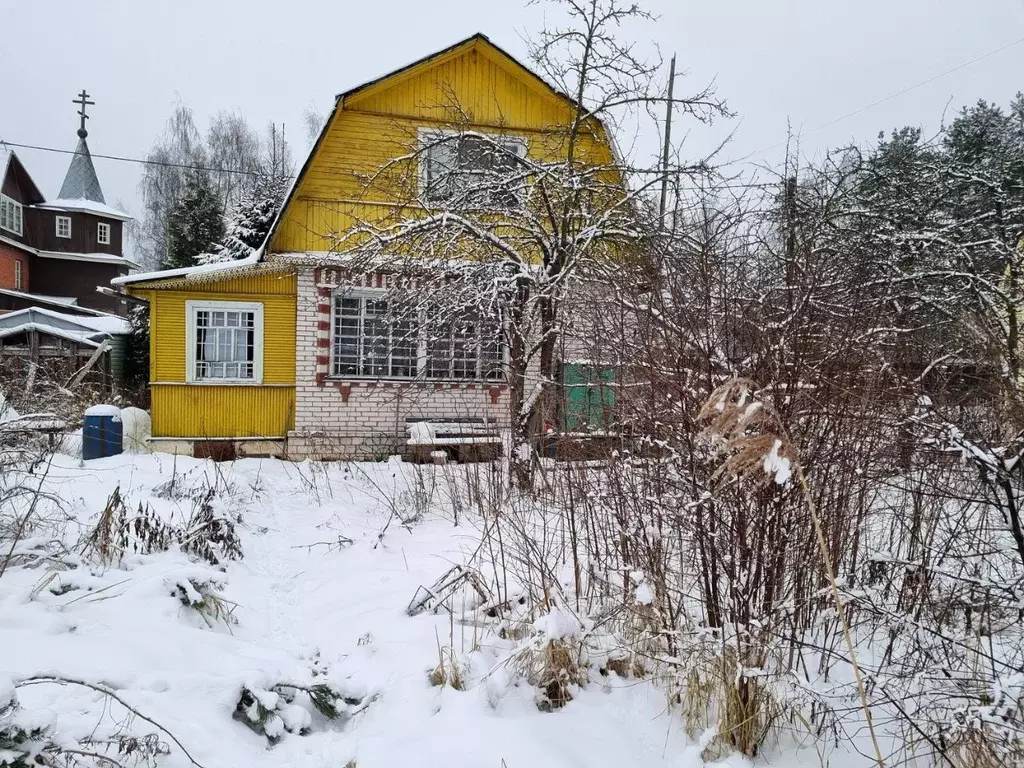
(213, 410)
(475, 83)
(219, 410)
(473, 86)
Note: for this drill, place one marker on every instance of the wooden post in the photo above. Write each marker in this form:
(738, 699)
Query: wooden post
(668, 139)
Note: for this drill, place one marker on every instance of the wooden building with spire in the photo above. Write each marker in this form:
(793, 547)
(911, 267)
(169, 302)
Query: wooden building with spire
(55, 255)
(59, 251)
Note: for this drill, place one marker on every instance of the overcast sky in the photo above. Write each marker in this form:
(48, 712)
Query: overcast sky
(805, 61)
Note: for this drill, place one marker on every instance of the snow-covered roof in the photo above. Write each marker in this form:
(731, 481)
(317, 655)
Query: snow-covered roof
(65, 301)
(202, 269)
(81, 180)
(98, 258)
(83, 205)
(79, 327)
(79, 337)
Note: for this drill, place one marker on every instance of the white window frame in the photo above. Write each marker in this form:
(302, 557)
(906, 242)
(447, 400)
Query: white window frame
(429, 136)
(423, 332)
(11, 215)
(65, 220)
(103, 233)
(17, 274)
(191, 310)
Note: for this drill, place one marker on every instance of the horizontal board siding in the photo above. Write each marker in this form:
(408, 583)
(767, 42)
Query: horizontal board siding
(206, 411)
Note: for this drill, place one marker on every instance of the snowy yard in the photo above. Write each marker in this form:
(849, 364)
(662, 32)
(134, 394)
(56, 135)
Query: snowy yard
(305, 606)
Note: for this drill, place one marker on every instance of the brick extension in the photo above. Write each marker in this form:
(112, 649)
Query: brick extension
(349, 418)
(8, 256)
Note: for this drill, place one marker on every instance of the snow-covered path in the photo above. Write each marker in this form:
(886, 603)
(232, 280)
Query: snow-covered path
(301, 605)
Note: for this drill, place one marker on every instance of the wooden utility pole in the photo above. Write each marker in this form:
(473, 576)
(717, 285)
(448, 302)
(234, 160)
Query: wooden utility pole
(668, 138)
(790, 203)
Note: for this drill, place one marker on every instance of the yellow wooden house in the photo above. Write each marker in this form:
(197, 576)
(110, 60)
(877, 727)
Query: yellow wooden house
(261, 356)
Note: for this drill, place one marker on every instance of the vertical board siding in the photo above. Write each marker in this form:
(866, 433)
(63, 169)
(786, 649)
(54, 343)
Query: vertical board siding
(207, 411)
(274, 291)
(210, 410)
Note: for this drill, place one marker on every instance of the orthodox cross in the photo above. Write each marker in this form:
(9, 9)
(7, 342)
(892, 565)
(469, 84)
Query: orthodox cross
(83, 99)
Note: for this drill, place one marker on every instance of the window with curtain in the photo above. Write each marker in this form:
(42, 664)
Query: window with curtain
(466, 346)
(10, 214)
(225, 341)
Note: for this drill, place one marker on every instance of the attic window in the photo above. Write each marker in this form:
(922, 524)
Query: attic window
(103, 233)
(63, 226)
(470, 170)
(10, 214)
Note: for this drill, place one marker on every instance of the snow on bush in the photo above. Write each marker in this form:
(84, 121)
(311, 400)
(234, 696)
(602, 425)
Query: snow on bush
(290, 708)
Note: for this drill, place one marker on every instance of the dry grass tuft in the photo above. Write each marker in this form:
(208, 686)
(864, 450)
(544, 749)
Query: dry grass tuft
(741, 709)
(447, 672)
(555, 669)
(745, 429)
(977, 749)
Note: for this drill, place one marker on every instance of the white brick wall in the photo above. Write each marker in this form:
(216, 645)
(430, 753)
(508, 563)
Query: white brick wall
(351, 417)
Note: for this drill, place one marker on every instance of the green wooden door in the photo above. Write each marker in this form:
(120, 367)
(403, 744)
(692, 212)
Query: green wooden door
(589, 397)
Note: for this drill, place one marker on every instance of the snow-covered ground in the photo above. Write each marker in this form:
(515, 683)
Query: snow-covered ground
(307, 610)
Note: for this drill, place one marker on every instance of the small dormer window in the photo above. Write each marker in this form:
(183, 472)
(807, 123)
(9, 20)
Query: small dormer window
(10, 214)
(64, 226)
(103, 233)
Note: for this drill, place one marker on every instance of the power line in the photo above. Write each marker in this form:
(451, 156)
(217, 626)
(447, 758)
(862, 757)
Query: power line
(132, 159)
(256, 173)
(830, 123)
(891, 96)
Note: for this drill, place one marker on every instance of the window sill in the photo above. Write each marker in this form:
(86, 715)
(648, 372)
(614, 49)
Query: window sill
(421, 383)
(225, 383)
(240, 383)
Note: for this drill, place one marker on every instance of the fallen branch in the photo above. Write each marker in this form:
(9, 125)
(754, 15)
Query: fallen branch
(49, 679)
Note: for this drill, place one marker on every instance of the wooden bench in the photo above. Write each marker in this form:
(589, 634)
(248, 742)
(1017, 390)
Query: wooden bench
(464, 440)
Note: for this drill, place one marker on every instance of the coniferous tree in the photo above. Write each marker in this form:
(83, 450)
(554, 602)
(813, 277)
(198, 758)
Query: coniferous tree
(250, 218)
(196, 224)
(136, 355)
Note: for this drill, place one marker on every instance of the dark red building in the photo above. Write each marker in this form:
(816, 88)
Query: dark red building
(56, 253)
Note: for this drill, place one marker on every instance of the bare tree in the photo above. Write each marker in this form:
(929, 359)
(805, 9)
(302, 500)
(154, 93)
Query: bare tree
(521, 229)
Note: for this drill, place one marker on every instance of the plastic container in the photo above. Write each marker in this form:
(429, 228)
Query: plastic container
(101, 432)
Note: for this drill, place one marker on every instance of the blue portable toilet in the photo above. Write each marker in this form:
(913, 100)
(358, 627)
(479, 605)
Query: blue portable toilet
(101, 432)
